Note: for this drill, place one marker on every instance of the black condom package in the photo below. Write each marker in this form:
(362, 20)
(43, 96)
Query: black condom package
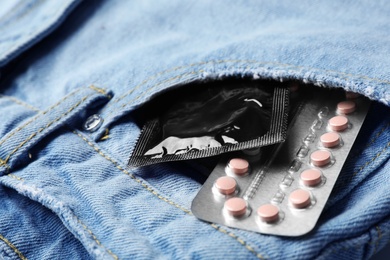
(208, 119)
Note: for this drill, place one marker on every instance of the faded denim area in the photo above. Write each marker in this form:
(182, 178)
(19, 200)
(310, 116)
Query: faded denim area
(66, 192)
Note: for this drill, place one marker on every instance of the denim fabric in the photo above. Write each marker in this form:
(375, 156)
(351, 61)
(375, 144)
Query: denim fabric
(24, 23)
(66, 192)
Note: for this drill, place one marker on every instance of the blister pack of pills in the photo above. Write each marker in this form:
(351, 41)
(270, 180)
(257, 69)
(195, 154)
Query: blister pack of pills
(283, 189)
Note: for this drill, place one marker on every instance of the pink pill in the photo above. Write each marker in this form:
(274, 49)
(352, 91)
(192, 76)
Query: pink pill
(300, 199)
(226, 185)
(311, 177)
(268, 213)
(320, 158)
(346, 107)
(235, 207)
(330, 139)
(239, 166)
(338, 123)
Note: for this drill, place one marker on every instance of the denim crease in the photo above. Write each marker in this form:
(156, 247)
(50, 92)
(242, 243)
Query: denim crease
(66, 193)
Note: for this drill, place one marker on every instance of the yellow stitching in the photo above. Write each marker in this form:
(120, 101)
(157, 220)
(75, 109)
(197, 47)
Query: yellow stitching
(104, 138)
(100, 90)
(15, 177)
(20, 145)
(372, 160)
(37, 116)
(106, 135)
(41, 129)
(3, 163)
(95, 238)
(21, 256)
(237, 61)
(163, 198)
(20, 103)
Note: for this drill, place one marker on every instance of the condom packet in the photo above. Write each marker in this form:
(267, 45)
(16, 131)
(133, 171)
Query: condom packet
(208, 119)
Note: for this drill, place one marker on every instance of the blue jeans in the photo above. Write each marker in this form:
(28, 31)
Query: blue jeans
(66, 192)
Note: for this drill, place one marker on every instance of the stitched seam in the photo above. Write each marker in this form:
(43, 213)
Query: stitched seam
(100, 90)
(97, 241)
(4, 164)
(372, 159)
(237, 61)
(106, 135)
(15, 177)
(41, 129)
(20, 103)
(231, 234)
(13, 247)
(36, 117)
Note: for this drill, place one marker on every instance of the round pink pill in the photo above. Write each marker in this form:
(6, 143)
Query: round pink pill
(300, 199)
(239, 166)
(311, 177)
(346, 107)
(338, 123)
(226, 185)
(268, 213)
(330, 139)
(320, 158)
(235, 207)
